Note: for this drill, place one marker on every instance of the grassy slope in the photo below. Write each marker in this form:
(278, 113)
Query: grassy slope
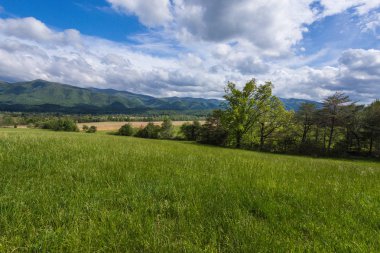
(82, 192)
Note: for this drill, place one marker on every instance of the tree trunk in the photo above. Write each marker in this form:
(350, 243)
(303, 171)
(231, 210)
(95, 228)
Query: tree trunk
(238, 139)
(359, 144)
(304, 134)
(324, 140)
(262, 138)
(317, 135)
(331, 134)
(370, 144)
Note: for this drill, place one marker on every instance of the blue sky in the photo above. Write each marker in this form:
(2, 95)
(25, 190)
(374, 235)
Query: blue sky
(93, 17)
(308, 49)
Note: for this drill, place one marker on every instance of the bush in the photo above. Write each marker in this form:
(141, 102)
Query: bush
(167, 129)
(125, 130)
(91, 130)
(150, 131)
(84, 128)
(64, 124)
(191, 131)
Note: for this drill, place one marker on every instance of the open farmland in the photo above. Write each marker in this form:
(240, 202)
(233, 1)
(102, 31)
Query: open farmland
(77, 192)
(113, 126)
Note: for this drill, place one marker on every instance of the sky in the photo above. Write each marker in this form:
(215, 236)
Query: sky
(308, 49)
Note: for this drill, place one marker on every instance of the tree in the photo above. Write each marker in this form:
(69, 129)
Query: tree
(125, 130)
(273, 117)
(191, 131)
(372, 123)
(333, 111)
(150, 131)
(167, 129)
(7, 121)
(306, 117)
(244, 107)
(213, 131)
(60, 124)
(352, 120)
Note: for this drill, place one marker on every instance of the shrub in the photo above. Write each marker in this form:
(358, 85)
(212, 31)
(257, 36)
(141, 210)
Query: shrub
(167, 129)
(91, 130)
(84, 128)
(191, 131)
(64, 124)
(150, 131)
(125, 130)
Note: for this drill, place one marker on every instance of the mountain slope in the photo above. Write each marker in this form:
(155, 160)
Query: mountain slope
(43, 96)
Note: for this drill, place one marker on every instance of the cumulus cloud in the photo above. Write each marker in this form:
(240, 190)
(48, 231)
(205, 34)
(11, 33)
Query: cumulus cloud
(271, 26)
(217, 41)
(150, 13)
(33, 29)
(357, 73)
(97, 63)
(332, 7)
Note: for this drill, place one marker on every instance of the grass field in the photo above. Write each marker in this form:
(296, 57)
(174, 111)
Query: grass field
(114, 126)
(77, 192)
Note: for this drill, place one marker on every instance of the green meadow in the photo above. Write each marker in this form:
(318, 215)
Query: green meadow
(77, 192)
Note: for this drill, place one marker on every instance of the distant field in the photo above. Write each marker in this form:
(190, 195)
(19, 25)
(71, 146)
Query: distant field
(111, 126)
(77, 192)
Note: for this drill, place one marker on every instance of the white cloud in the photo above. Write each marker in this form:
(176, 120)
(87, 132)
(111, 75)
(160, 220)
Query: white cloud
(332, 7)
(371, 23)
(357, 73)
(150, 13)
(33, 29)
(272, 27)
(218, 40)
(97, 63)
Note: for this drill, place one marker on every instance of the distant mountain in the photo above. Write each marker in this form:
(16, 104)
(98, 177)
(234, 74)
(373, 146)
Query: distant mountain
(295, 103)
(43, 96)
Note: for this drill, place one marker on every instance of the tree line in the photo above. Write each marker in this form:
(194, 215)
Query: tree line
(253, 118)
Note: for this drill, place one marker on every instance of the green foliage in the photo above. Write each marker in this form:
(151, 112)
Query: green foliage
(244, 107)
(126, 130)
(213, 132)
(150, 131)
(167, 129)
(255, 119)
(191, 131)
(66, 192)
(91, 130)
(333, 107)
(6, 120)
(273, 116)
(60, 124)
(305, 116)
(371, 118)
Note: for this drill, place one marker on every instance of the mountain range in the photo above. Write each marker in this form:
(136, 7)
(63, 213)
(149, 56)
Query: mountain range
(44, 96)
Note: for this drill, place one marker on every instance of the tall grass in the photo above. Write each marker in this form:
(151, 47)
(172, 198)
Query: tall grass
(74, 192)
